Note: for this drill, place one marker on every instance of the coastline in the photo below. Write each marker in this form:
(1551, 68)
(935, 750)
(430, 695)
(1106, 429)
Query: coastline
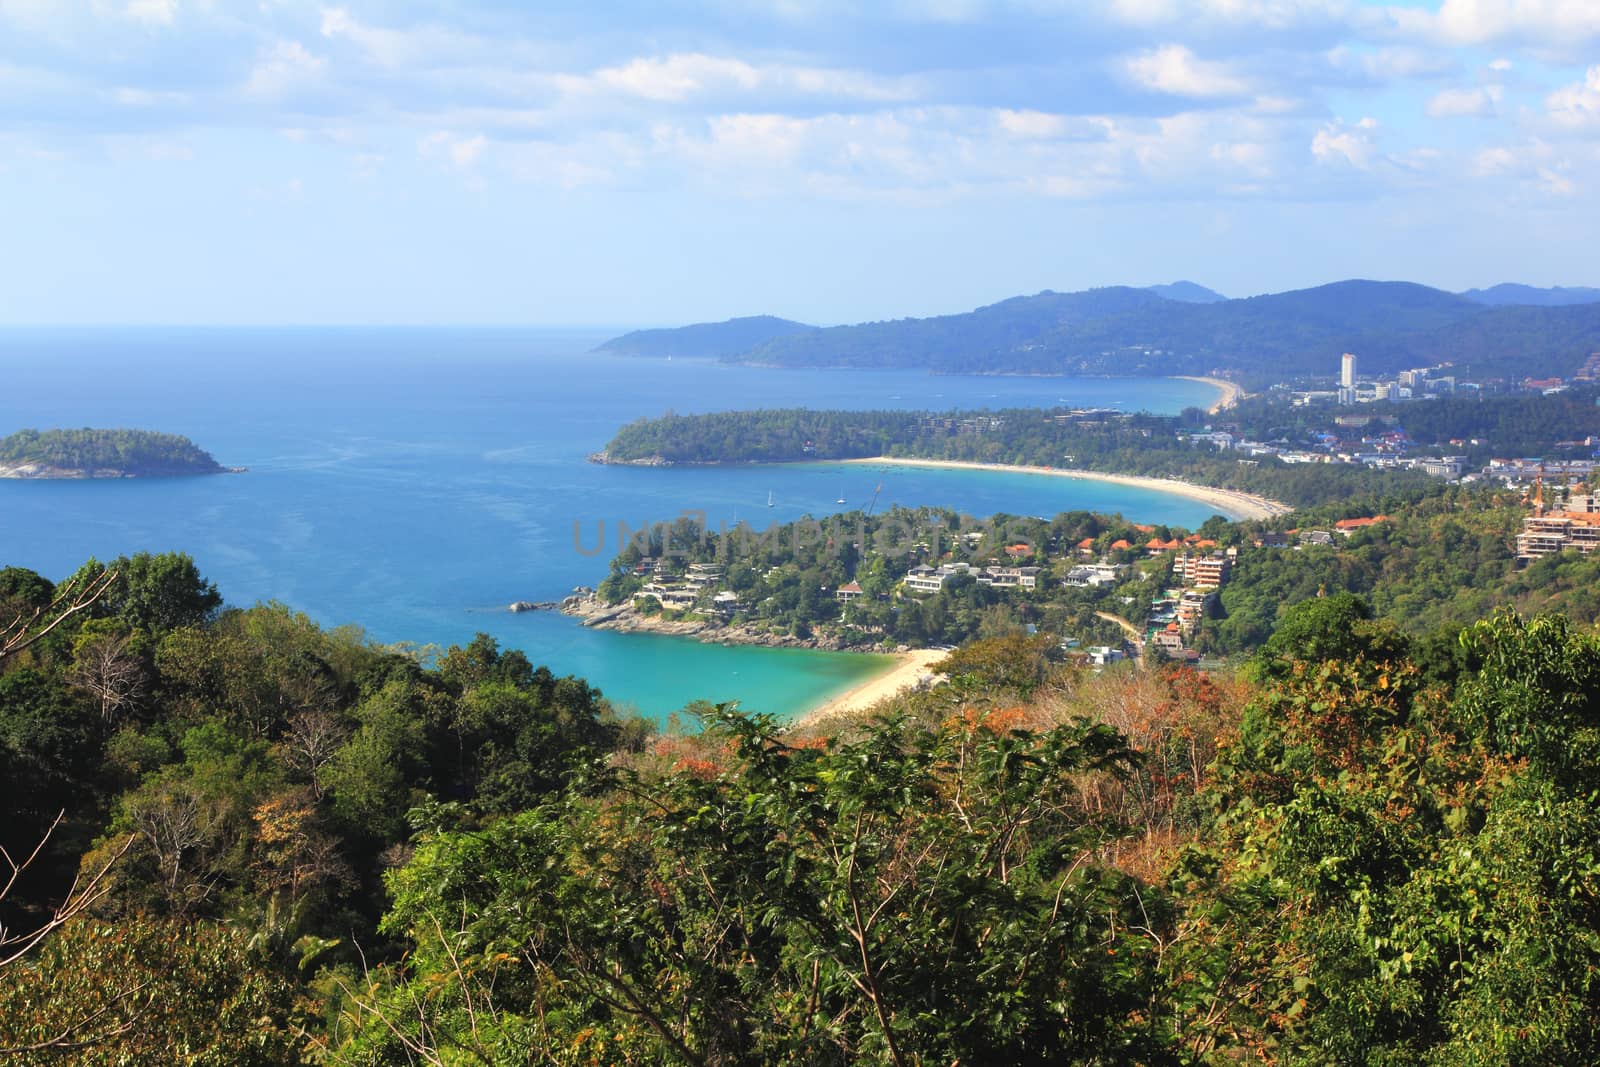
(1231, 391)
(39, 472)
(913, 667)
(1230, 502)
(595, 614)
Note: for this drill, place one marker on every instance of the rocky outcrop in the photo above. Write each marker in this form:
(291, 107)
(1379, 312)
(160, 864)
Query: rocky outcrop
(624, 618)
(608, 459)
(46, 472)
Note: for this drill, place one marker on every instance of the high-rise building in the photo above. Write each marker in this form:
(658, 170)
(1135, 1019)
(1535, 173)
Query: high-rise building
(1347, 371)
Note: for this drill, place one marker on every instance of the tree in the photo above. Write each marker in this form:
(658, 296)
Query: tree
(905, 898)
(158, 593)
(110, 664)
(31, 610)
(148, 993)
(1395, 876)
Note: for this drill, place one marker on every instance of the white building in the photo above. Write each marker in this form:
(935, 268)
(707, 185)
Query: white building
(1347, 371)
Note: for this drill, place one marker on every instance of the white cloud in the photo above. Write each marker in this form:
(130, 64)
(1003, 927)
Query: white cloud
(423, 47)
(1495, 160)
(462, 152)
(1263, 14)
(1174, 69)
(1577, 104)
(154, 11)
(682, 76)
(284, 68)
(1339, 143)
(145, 98)
(1558, 23)
(1031, 125)
(1477, 102)
(1556, 183)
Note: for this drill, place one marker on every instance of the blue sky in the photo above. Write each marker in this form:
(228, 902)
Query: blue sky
(269, 161)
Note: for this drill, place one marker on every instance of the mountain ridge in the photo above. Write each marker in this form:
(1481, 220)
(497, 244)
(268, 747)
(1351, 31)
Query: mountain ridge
(1392, 325)
(1531, 296)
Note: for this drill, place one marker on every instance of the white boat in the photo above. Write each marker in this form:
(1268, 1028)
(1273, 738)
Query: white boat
(841, 497)
(769, 498)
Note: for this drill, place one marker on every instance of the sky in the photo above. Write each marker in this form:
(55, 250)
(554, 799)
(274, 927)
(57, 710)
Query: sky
(629, 163)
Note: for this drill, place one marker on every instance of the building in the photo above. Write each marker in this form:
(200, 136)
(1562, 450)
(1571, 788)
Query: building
(1347, 371)
(726, 603)
(1193, 606)
(1546, 535)
(672, 597)
(930, 580)
(1205, 572)
(703, 575)
(847, 592)
(1093, 575)
(1443, 467)
(1350, 526)
(1167, 642)
(1009, 577)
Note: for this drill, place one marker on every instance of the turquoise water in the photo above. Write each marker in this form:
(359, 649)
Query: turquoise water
(416, 481)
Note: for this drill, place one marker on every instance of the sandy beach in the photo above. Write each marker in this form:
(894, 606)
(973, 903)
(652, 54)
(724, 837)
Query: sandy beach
(912, 669)
(1229, 502)
(1230, 391)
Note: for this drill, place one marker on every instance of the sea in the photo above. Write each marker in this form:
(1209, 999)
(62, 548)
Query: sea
(415, 482)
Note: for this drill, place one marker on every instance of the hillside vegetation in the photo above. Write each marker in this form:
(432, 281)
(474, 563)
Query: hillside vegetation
(102, 452)
(1139, 444)
(304, 849)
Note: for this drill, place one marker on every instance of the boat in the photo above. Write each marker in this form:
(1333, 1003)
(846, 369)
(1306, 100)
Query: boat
(769, 498)
(841, 497)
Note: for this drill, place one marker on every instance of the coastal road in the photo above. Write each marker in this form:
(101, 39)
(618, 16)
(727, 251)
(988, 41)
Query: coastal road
(1128, 628)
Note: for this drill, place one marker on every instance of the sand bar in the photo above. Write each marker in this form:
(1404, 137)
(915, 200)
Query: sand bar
(912, 668)
(1229, 502)
(1231, 392)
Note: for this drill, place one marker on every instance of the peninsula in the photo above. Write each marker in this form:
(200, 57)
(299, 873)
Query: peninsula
(90, 453)
(1177, 454)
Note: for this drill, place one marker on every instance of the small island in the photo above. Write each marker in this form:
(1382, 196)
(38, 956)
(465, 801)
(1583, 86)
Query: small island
(89, 453)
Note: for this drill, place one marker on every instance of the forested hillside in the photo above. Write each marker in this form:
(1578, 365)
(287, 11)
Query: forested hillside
(1138, 444)
(120, 452)
(298, 848)
(1126, 331)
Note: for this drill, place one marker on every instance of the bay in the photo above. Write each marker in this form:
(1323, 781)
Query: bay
(415, 481)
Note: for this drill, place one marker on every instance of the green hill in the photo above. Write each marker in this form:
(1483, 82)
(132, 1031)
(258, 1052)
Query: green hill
(102, 454)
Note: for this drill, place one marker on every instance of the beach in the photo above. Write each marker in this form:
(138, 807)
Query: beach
(1229, 502)
(1230, 391)
(911, 669)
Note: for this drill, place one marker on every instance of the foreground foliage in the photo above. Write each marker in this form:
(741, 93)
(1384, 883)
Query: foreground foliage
(1368, 849)
(904, 898)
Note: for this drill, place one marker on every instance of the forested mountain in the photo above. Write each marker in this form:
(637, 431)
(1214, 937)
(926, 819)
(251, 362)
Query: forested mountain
(1187, 292)
(1555, 296)
(728, 338)
(1119, 330)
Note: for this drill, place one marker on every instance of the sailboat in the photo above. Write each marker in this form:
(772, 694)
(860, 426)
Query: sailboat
(841, 497)
(769, 498)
